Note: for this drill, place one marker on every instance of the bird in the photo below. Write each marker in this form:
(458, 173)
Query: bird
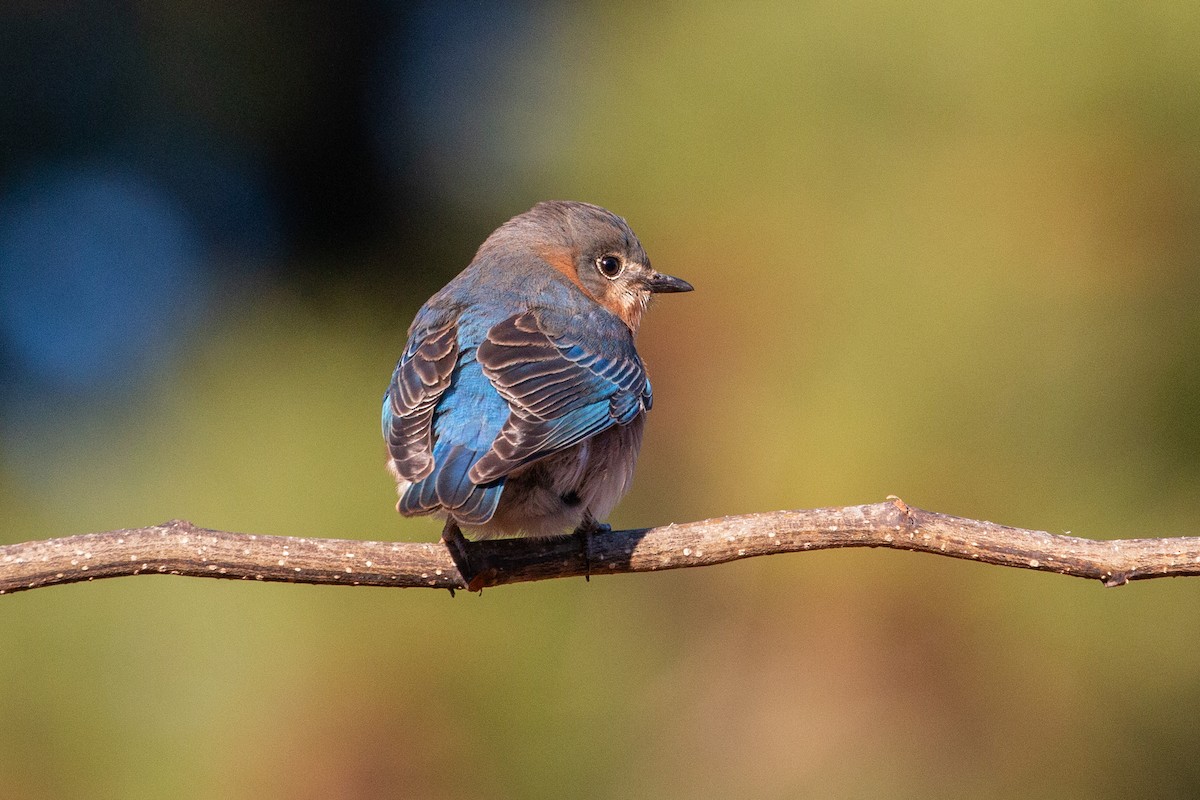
(518, 405)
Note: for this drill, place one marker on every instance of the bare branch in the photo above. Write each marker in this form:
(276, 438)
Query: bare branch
(180, 548)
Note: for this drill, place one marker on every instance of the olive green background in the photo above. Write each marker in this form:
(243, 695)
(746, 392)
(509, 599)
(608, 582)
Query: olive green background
(946, 251)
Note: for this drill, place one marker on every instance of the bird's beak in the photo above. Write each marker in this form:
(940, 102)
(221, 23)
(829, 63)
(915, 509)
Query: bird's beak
(661, 284)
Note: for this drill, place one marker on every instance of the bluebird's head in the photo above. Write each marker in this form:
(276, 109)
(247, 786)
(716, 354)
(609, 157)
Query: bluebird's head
(593, 248)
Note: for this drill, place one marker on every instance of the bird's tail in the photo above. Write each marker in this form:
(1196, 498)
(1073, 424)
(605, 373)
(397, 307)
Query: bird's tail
(448, 489)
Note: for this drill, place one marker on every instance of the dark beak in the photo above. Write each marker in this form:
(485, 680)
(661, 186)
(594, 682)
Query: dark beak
(661, 284)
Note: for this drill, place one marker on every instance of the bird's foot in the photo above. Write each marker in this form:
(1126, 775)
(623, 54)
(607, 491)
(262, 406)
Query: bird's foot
(586, 530)
(456, 543)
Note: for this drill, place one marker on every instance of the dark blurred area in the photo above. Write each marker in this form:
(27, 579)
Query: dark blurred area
(160, 158)
(941, 251)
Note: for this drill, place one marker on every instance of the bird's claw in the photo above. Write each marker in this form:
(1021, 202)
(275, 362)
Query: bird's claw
(586, 530)
(456, 543)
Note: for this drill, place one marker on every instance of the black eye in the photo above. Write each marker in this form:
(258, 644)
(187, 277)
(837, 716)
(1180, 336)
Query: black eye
(609, 266)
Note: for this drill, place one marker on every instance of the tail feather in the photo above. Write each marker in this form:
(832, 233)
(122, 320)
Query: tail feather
(453, 485)
(480, 504)
(449, 489)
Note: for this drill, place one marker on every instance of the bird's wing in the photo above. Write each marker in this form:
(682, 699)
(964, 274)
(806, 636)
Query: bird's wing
(420, 380)
(440, 415)
(561, 387)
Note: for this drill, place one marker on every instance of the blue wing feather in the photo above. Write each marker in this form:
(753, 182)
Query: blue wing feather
(470, 402)
(418, 384)
(439, 415)
(559, 390)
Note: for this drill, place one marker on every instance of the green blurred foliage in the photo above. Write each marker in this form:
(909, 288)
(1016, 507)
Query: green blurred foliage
(947, 251)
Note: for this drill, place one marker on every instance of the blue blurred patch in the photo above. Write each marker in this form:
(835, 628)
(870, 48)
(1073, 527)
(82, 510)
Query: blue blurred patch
(456, 92)
(99, 272)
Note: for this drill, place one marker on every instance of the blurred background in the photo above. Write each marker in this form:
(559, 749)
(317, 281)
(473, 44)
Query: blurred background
(941, 250)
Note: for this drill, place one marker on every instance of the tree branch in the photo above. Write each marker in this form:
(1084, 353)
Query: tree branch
(181, 548)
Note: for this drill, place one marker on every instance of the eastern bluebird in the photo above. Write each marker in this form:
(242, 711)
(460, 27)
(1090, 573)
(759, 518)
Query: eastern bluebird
(518, 405)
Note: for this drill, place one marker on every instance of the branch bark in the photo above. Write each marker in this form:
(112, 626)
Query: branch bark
(181, 548)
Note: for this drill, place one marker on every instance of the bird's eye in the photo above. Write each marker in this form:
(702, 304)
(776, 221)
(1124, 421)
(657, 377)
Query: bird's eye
(609, 266)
